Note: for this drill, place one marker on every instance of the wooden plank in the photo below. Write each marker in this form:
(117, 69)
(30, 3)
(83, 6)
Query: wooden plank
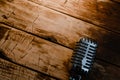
(34, 52)
(46, 57)
(11, 71)
(104, 71)
(59, 28)
(103, 13)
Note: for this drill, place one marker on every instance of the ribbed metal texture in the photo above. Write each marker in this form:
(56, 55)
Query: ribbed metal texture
(83, 56)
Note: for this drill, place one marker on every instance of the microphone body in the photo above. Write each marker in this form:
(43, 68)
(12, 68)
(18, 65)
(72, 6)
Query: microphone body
(83, 58)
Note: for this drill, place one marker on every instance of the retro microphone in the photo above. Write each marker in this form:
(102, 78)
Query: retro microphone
(83, 58)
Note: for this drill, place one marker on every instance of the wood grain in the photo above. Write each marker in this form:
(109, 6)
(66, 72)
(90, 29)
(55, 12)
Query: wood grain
(44, 56)
(103, 13)
(59, 28)
(11, 71)
(35, 53)
(104, 71)
(117, 1)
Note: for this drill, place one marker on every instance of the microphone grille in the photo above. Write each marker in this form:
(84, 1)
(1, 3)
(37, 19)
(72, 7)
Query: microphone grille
(84, 54)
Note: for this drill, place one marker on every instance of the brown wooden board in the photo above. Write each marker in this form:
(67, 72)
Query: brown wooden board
(59, 28)
(103, 13)
(35, 52)
(11, 71)
(46, 57)
(104, 71)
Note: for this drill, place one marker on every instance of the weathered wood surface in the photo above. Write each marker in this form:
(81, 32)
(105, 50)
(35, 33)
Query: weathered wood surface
(46, 57)
(104, 13)
(34, 52)
(104, 71)
(11, 71)
(58, 27)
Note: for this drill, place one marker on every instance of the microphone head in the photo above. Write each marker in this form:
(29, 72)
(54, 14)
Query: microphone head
(83, 55)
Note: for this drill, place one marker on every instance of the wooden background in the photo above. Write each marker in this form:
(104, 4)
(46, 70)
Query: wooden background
(37, 37)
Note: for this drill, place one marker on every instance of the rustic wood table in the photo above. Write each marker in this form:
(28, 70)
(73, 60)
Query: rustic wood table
(37, 37)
